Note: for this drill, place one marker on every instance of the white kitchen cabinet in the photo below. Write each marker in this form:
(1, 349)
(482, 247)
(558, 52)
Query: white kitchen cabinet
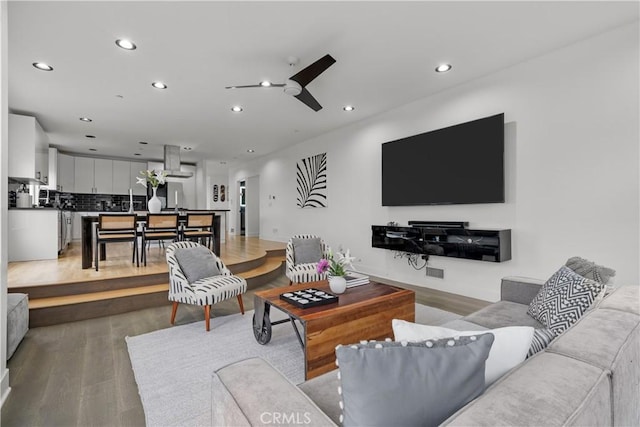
(103, 176)
(76, 228)
(66, 173)
(83, 175)
(93, 175)
(135, 169)
(52, 177)
(28, 149)
(121, 177)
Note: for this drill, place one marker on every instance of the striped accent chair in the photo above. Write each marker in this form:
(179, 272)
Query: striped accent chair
(306, 272)
(204, 292)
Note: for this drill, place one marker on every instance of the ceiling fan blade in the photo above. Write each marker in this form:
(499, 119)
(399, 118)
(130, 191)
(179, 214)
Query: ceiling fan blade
(306, 75)
(245, 86)
(309, 100)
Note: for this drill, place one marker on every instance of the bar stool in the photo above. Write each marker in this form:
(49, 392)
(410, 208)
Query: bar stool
(116, 228)
(159, 227)
(199, 226)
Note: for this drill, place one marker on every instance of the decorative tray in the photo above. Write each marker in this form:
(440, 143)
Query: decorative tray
(310, 297)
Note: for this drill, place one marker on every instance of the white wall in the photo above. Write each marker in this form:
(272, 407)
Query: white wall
(4, 144)
(572, 164)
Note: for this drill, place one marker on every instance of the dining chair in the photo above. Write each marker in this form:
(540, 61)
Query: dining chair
(159, 227)
(116, 228)
(199, 227)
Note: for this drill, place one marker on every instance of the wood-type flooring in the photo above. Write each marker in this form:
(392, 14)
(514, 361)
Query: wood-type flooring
(79, 373)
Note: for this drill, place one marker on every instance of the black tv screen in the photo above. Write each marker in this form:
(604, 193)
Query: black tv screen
(459, 164)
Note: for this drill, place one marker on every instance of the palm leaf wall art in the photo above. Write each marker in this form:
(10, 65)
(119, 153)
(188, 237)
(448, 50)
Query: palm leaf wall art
(311, 181)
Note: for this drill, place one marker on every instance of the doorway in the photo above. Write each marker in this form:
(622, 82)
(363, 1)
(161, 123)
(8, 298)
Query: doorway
(243, 206)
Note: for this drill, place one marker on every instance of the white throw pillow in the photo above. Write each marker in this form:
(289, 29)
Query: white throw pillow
(509, 348)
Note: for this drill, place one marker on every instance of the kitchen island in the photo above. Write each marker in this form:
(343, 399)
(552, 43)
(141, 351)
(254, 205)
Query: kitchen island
(32, 234)
(88, 234)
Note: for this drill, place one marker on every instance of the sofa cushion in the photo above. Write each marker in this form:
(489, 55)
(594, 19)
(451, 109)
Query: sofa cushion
(563, 299)
(253, 393)
(509, 348)
(503, 313)
(547, 390)
(590, 269)
(407, 384)
(625, 298)
(196, 263)
(306, 251)
(323, 390)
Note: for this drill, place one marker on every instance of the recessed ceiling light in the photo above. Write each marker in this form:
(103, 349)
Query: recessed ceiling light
(90, 136)
(348, 108)
(251, 150)
(236, 108)
(42, 66)
(443, 68)
(92, 149)
(188, 148)
(126, 44)
(137, 154)
(143, 142)
(159, 85)
(85, 119)
(265, 83)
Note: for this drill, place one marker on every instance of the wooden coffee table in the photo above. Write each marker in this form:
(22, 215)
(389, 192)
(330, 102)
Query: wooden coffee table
(361, 313)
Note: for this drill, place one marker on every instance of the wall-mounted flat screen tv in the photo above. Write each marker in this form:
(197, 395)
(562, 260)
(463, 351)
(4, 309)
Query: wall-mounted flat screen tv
(460, 164)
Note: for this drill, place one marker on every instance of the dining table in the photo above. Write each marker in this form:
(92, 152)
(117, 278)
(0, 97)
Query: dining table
(89, 223)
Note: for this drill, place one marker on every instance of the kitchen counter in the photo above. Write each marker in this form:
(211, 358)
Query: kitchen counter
(37, 209)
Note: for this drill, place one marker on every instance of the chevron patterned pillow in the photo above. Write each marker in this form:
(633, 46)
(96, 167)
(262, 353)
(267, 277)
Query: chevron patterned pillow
(563, 299)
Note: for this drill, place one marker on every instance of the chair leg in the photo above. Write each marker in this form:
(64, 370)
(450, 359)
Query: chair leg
(290, 282)
(144, 251)
(241, 304)
(207, 314)
(95, 253)
(174, 310)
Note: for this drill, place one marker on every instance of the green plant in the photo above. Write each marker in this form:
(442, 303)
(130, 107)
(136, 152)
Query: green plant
(335, 265)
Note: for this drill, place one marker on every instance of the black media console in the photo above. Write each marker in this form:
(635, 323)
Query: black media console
(451, 239)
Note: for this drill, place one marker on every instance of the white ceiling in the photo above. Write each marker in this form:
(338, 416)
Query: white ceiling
(386, 53)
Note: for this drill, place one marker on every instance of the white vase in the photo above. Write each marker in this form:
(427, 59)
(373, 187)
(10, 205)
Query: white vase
(154, 205)
(337, 284)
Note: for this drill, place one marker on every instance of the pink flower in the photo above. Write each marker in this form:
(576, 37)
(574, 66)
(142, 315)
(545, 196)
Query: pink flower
(323, 266)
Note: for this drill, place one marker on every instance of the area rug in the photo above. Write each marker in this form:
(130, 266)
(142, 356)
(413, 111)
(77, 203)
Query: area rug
(173, 366)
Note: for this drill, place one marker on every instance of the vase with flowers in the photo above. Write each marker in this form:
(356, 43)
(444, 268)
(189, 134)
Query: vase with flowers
(335, 265)
(153, 178)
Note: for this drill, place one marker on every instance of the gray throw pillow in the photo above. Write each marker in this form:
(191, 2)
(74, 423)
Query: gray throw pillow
(196, 263)
(590, 269)
(410, 384)
(306, 250)
(563, 299)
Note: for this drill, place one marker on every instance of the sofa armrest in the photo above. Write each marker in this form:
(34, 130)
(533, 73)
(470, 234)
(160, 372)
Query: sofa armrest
(253, 393)
(521, 290)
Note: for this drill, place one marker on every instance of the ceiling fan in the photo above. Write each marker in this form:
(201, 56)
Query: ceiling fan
(295, 85)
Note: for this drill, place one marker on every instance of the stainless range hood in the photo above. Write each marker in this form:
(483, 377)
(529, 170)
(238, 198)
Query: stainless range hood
(172, 162)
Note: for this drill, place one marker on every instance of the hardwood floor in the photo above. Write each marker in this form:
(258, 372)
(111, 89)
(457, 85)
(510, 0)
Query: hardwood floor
(79, 373)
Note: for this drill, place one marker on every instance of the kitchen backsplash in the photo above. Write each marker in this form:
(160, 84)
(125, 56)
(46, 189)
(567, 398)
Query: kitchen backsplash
(86, 202)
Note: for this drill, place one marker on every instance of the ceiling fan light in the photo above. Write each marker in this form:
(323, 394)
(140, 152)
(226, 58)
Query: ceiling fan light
(159, 85)
(443, 68)
(265, 83)
(292, 88)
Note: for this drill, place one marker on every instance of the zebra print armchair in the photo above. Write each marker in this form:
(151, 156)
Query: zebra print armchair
(204, 292)
(303, 272)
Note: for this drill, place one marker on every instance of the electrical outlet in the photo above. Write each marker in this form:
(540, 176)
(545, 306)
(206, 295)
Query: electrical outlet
(232, 230)
(435, 272)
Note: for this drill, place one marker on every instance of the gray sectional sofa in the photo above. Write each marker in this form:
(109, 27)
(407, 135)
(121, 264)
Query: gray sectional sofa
(590, 375)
